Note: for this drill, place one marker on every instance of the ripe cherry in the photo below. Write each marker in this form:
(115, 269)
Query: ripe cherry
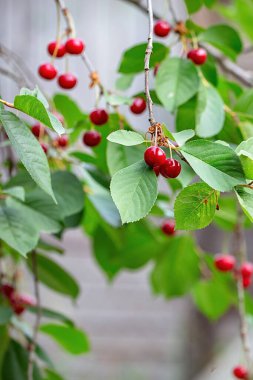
(240, 372)
(7, 290)
(162, 28)
(224, 263)
(246, 270)
(154, 156)
(60, 49)
(92, 138)
(156, 170)
(47, 71)
(197, 56)
(62, 141)
(44, 147)
(138, 106)
(171, 168)
(74, 46)
(38, 130)
(19, 302)
(99, 116)
(67, 81)
(168, 227)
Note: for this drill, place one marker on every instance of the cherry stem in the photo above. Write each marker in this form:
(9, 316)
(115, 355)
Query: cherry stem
(11, 105)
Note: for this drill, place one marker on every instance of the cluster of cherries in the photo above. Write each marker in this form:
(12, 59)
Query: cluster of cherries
(227, 263)
(198, 56)
(17, 301)
(156, 158)
(73, 46)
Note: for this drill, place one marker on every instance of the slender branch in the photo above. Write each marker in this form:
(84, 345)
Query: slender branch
(37, 319)
(242, 75)
(239, 250)
(148, 53)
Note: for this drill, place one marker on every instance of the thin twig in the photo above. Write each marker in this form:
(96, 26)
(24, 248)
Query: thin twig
(37, 319)
(148, 53)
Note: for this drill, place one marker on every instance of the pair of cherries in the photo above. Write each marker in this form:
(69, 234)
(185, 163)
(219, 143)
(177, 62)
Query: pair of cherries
(98, 117)
(18, 302)
(39, 131)
(73, 46)
(227, 263)
(156, 158)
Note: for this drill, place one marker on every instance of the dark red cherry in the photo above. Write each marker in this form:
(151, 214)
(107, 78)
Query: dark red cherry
(246, 282)
(154, 156)
(156, 170)
(138, 106)
(51, 47)
(91, 138)
(7, 290)
(99, 116)
(38, 130)
(62, 141)
(240, 372)
(162, 28)
(168, 227)
(47, 71)
(171, 168)
(67, 81)
(224, 263)
(74, 46)
(197, 56)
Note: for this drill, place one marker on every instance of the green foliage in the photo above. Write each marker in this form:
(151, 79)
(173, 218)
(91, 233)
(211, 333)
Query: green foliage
(127, 138)
(195, 207)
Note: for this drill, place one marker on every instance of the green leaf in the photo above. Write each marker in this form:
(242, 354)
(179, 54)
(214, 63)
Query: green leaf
(209, 70)
(133, 58)
(127, 138)
(186, 115)
(215, 164)
(16, 192)
(176, 82)
(36, 93)
(245, 152)
(245, 198)
(28, 149)
(213, 298)
(124, 82)
(195, 207)
(52, 375)
(224, 38)
(120, 156)
(51, 314)
(16, 231)
(210, 113)
(4, 339)
(117, 100)
(68, 109)
(71, 339)
(183, 136)
(244, 105)
(33, 107)
(134, 191)
(55, 277)
(193, 5)
(169, 276)
(5, 314)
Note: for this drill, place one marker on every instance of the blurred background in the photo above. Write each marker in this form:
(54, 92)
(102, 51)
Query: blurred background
(133, 334)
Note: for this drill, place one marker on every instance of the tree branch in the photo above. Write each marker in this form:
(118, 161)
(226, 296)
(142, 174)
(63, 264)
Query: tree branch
(148, 53)
(242, 75)
(37, 319)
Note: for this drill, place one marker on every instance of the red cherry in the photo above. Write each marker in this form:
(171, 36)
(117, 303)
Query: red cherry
(240, 372)
(60, 49)
(171, 168)
(154, 156)
(156, 68)
(7, 290)
(47, 71)
(246, 269)
(224, 263)
(62, 141)
(168, 227)
(74, 46)
(138, 106)
(156, 170)
(19, 302)
(44, 147)
(162, 28)
(246, 282)
(67, 81)
(92, 138)
(99, 116)
(197, 56)
(38, 130)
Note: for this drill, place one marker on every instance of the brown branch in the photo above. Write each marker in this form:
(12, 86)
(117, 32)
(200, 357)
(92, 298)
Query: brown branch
(242, 75)
(148, 53)
(37, 319)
